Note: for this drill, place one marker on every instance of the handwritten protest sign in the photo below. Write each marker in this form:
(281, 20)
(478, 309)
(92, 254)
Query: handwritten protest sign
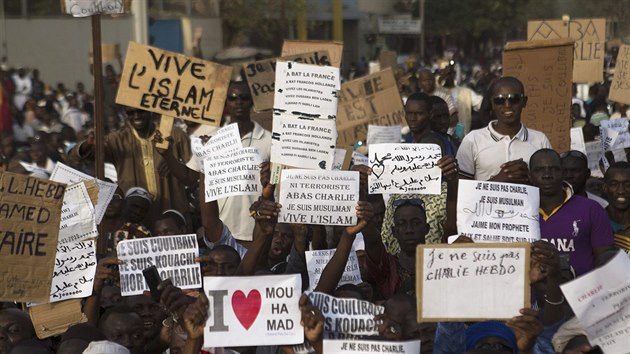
(545, 68)
(66, 174)
(383, 135)
(601, 301)
(620, 87)
(316, 261)
(359, 159)
(405, 169)
(236, 173)
(620, 126)
(73, 275)
(594, 155)
(334, 49)
(173, 256)
(53, 319)
(495, 275)
(77, 216)
(589, 36)
(498, 212)
(249, 311)
(304, 89)
(387, 59)
(173, 84)
(84, 8)
(30, 213)
(319, 197)
(354, 346)
(372, 99)
(347, 316)
(261, 75)
(577, 140)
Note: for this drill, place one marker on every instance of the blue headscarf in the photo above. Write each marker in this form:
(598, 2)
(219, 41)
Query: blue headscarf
(481, 330)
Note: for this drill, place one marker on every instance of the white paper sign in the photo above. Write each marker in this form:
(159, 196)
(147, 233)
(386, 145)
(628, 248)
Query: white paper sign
(303, 143)
(350, 346)
(619, 125)
(305, 89)
(174, 257)
(319, 197)
(577, 140)
(225, 140)
(73, 275)
(106, 190)
(340, 157)
(498, 212)
(84, 8)
(405, 169)
(77, 216)
(251, 311)
(494, 276)
(601, 302)
(378, 134)
(608, 138)
(359, 159)
(235, 173)
(316, 261)
(347, 316)
(594, 154)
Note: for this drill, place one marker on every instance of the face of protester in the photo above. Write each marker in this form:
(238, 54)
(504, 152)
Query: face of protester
(239, 102)
(38, 154)
(545, 172)
(404, 314)
(281, 242)
(167, 227)
(136, 209)
(417, 115)
(492, 345)
(115, 206)
(440, 118)
(575, 172)
(151, 314)
(617, 189)
(508, 112)
(72, 346)
(426, 80)
(15, 326)
(7, 148)
(125, 329)
(410, 228)
(221, 263)
(140, 120)
(110, 296)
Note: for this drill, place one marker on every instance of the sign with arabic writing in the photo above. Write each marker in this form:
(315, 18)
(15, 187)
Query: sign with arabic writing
(405, 169)
(498, 212)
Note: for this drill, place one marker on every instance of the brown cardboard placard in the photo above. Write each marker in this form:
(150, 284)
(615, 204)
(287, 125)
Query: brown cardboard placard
(55, 318)
(590, 37)
(387, 59)
(166, 127)
(334, 49)
(173, 84)
(545, 68)
(92, 188)
(261, 75)
(465, 260)
(620, 87)
(371, 99)
(30, 214)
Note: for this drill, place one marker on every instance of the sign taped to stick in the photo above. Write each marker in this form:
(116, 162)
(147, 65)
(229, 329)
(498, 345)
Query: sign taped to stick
(620, 87)
(173, 84)
(334, 49)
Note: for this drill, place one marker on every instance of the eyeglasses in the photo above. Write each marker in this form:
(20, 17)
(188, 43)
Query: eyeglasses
(512, 98)
(242, 96)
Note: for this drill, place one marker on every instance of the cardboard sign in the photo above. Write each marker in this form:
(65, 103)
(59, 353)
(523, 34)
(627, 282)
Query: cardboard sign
(173, 84)
(347, 316)
(30, 214)
(405, 169)
(601, 302)
(383, 135)
(496, 276)
(55, 319)
(173, 256)
(620, 87)
(317, 260)
(319, 197)
(261, 75)
(621, 138)
(577, 140)
(303, 143)
(106, 190)
(372, 99)
(387, 59)
(353, 346)
(589, 36)
(545, 69)
(498, 212)
(75, 266)
(236, 173)
(85, 8)
(77, 216)
(334, 49)
(251, 311)
(306, 89)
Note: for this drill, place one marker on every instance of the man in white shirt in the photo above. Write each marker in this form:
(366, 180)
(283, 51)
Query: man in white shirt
(500, 151)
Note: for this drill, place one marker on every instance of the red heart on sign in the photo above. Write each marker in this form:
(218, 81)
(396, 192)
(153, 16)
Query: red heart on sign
(247, 308)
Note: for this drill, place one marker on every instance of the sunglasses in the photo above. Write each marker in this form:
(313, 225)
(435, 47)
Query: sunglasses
(513, 98)
(242, 96)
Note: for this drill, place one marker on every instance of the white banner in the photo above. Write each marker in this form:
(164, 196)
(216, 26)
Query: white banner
(378, 134)
(235, 173)
(73, 275)
(498, 212)
(347, 316)
(173, 256)
(405, 169)
(251, 311)
(317, 260)
(356, 346)
(319, 197)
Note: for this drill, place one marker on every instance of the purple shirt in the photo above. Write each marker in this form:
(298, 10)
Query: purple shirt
(576, 229)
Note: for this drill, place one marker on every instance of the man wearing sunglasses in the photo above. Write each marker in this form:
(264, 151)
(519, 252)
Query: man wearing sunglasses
(500, 151)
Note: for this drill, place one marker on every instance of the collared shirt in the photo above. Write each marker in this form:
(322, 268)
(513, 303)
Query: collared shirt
(483, 151)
